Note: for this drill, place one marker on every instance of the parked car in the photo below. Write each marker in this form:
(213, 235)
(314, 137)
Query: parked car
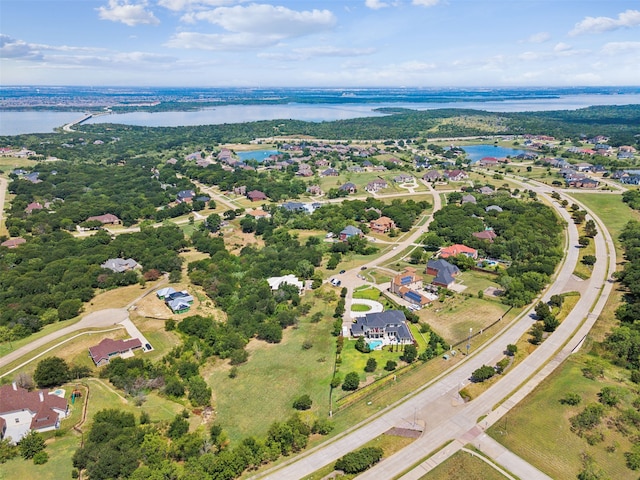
(363, 268)
(342, 271)
(147, 346)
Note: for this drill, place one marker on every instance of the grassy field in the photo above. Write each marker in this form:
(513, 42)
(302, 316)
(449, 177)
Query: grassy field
(267, 385)
(539, 424)
(584, 271)
(366, 293)
(611, 210)
(463, 466)
(453, 318)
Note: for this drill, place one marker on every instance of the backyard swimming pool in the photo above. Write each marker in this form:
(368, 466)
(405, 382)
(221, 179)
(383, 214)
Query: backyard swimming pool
(375, 344)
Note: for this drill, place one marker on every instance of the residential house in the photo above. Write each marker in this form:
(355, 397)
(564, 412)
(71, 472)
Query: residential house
(186, 196)
(241, 190)
(294, 206)
(276, 282)
(493, 208)
(583, 183)
(375, 185)
(330, 172)
(22, 411)
(382, 225)
(468, 198)
(403, 178)
(488, 235)
(583, 167)
(33, 206)
(119, 265)
(407, 285)
(314, 190)
(348, 232)
(106, 219)
(348, 187)
(258, 213)
(164, 292)
(486, 190)
(488, 162)
(179, 302)
(455, 175)
(458, 249)
(432, 176)
(390, 327)
(32, 177)
(444, 272)
(256, 196)
(108, 348)
(13, 242)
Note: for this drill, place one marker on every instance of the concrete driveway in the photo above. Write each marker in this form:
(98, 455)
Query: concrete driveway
(374, 307)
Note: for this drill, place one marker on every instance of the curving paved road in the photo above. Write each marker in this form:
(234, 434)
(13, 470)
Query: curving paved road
(436, 406)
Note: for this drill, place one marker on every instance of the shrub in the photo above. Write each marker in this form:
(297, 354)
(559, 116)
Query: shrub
(502, 364)
(31, 444)
(336, 381)
(571, 399)
(371, 365)
(588, 419)
(483, 373)
(351, 381)
(390, 366)
(322, 426)
(40, 458)
(302, 403)
(608, 396)
(512, 349)
(360, 460)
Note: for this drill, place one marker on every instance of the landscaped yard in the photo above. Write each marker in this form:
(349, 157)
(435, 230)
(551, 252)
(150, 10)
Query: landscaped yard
(367, 293)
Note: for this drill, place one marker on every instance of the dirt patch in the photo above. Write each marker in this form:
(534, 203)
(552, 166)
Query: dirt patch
(236, 241)
(404, 432)
(493, 292)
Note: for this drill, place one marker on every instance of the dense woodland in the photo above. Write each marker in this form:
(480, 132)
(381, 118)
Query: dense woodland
(48, 278)
(528, 239)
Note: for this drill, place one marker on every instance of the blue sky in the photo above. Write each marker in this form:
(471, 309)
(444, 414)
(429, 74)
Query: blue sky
(327, 43)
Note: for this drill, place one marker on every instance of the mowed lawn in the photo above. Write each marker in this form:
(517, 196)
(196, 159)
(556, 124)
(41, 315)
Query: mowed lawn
(275, 375)
(539, 425)
(453, 318)
(463, 466)
(611, 209)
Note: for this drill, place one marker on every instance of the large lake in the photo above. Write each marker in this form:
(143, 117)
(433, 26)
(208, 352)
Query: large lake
(16, 123)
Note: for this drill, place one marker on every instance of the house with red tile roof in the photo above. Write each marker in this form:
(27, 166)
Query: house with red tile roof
(382, 225)
(33, 206)
(22, 411)
(458, 249)
(488, 235)
(102, 353)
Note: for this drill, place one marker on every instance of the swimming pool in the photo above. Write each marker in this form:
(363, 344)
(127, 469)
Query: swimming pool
(59, 392)
(375, 344)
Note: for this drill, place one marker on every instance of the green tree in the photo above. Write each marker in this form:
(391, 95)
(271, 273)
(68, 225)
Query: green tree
(199, 391)
(51, 372)
(31, 444)
(589, 260)
(178, 427)
(485, 372)
(351, 381)
(371, 365)
(303, 402)
(410, 353)
(69, 308)
(590, 228)
(390, 366)
(213, 222)
(512, 349)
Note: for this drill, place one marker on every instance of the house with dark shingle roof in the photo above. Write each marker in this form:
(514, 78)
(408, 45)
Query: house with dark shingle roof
(390, 326)
(443, 271)
(119, 265)
(348, 187)
(348, 232)
(488, 235)
(108, 348)
(256, 196)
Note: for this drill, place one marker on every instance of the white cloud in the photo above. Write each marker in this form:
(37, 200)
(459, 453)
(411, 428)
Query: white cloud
(129, 14)
(221, 42)
(562, 47)
(614, 48)
(626, 19)
(19, 49)
(178, 5)
(425, 3)
(298, 54)
(539, 37)
(375, 4)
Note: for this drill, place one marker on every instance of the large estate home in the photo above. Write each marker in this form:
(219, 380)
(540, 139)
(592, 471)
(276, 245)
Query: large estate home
(458, 249)
(443, 271)
(22, 411)
(106, 219)
(382, 225)
(390, 327)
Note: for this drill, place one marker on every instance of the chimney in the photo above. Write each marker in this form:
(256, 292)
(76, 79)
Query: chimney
(41, 393)
(15, 386)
